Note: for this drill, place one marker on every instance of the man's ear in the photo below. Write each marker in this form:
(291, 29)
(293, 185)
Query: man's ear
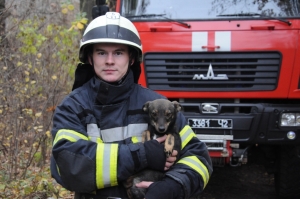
(90, 59)
(132, 62)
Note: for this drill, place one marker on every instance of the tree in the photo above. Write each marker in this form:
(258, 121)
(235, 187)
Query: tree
(38, 55)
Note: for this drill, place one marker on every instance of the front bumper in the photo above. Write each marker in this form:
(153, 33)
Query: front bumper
(251, 123)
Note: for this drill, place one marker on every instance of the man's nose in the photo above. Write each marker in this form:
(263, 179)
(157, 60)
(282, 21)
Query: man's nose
(109, 58)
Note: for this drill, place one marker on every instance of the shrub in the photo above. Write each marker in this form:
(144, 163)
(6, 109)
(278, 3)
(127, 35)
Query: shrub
(37, 61)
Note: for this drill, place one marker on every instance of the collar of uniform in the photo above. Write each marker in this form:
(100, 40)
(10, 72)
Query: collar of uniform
(112, 94)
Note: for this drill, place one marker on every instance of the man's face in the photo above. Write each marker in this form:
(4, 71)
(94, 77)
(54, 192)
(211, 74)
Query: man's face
(111, 61)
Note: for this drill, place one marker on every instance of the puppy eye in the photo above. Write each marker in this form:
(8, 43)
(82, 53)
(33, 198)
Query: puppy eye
(168, 114)
(153, 114)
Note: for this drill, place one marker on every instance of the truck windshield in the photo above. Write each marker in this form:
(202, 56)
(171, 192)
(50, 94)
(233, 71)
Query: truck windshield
(209, 9)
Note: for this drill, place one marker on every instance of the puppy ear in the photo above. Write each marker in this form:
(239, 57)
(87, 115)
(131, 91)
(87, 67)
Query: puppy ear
(146, 106)
(177, 106)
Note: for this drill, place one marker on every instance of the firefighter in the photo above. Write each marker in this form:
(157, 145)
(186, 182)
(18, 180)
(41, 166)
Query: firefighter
(97, 128)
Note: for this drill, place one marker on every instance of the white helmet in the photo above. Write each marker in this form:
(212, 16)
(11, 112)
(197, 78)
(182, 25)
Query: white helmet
(110, 28)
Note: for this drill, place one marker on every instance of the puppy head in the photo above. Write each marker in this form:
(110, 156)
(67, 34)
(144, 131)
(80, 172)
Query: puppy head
(162, 113)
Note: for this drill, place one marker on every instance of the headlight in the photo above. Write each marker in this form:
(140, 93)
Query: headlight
(290, 119)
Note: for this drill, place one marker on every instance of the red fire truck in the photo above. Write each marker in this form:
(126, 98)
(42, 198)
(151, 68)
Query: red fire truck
(234, 65)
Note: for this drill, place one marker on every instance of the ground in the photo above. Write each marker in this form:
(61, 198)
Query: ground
(246, 182)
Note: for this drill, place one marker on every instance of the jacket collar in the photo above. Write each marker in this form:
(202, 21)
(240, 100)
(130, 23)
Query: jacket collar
(107, 94)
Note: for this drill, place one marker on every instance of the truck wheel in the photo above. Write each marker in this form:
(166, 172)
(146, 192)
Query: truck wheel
(287, 177)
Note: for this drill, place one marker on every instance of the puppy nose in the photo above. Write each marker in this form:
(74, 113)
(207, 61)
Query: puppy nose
(161, 128)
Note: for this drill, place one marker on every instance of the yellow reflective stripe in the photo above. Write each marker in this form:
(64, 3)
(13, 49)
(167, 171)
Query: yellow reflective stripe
(99, 166)
(106, 165)
(99, 140)
(197, 165)
(94, 139)
(113, 164)
(186, 134)
(134, 139)
(69, 135)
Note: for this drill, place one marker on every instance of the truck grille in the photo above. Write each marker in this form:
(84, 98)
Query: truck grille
(245, 71)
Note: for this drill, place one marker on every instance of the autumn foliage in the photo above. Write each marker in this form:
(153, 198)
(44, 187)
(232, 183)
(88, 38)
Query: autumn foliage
(38, 56)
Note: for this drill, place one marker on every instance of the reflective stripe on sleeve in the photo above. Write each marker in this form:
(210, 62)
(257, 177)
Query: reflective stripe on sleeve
(69, 135)
(121, 133)
(106, 165)
(93, 132)
(136, 139)
(186, 134)
(197, 165)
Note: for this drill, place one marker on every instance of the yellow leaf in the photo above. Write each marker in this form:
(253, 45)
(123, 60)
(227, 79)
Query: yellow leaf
(64, 11)
(32, 82)
(29, 111)
(48, 134)
(2, 187)
(79, 25)
(19, 64)
(1, 111)
(26, 79)
(4, 68)
(54, 77)
(35, 144)
(39, 55)
(84, 20)
(38, 114)
(63, 193)
(26, 72)
(70, 7)
(70, 29)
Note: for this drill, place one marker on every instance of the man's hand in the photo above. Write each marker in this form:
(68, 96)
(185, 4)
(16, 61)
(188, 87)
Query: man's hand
(161, 139)
(165, 189)
(143, 184)
(170, 160)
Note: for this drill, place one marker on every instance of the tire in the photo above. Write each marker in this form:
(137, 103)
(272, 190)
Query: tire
(287, 177)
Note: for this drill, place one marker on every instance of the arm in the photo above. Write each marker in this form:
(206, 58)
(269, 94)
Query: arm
(83, 165)
(190, 174)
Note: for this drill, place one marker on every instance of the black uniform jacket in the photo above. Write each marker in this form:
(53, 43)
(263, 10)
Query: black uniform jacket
(96, 133)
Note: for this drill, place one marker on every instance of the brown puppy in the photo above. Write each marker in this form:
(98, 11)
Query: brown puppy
(162, 114)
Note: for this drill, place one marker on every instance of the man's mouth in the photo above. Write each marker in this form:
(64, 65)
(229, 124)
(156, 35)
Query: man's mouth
(109, 71)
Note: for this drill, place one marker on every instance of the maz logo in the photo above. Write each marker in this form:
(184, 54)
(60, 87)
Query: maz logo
(210, 75)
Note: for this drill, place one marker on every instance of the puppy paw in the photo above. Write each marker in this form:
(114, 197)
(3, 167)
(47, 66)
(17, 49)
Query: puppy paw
(168, 151)
(129, 182)
(146, 136)
(169, 145)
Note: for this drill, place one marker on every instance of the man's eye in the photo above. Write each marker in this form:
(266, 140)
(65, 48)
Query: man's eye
(101, 53)
(118, 53)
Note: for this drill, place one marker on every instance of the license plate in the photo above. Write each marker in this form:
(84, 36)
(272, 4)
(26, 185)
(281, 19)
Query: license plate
(210, 123)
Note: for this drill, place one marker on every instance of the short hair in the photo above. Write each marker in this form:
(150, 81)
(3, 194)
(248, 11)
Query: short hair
(133, 53)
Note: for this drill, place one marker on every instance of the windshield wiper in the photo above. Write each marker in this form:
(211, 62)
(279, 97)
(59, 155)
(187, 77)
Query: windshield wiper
(160, 15)
(253, 15)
